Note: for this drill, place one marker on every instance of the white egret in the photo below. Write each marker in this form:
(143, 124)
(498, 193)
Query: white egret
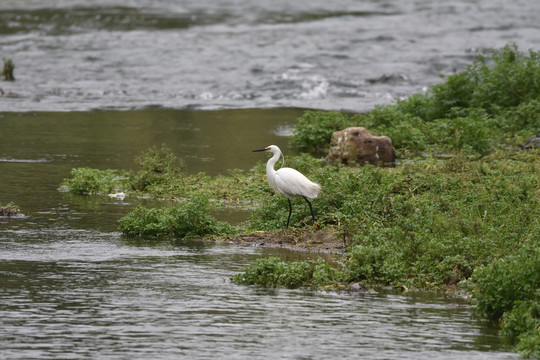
(289, 182)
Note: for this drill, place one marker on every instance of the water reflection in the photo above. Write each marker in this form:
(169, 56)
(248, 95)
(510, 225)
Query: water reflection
(111, 139)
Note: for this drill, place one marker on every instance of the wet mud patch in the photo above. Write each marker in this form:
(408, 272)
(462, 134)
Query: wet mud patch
(315, 241)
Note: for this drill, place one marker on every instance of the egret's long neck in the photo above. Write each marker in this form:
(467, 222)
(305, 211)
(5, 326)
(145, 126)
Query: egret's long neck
(271, 162)
(270, 172)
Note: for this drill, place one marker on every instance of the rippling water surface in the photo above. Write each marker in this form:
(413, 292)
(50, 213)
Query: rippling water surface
(344, 54)
(96, 295)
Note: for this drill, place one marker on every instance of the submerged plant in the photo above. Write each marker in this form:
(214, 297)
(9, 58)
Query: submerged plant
(8, 69)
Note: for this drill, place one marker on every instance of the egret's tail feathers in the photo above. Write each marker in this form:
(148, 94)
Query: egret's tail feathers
(313, 190)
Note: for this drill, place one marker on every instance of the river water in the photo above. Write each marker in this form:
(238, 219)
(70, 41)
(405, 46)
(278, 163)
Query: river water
(98, 82)
(207, 54)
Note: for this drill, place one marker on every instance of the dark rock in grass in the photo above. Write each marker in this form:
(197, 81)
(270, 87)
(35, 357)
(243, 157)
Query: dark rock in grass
(359, 287)
(532, 143)
(356, 145)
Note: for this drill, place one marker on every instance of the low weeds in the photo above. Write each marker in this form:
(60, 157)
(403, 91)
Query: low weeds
(161, 175)
(158, 167)
(314, 129)
(429, 224)
(432, 224)
(190, 219)
(508, 290)
(273, 272)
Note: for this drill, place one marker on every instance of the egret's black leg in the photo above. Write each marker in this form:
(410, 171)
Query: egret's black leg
(290, 211)
(310, 208)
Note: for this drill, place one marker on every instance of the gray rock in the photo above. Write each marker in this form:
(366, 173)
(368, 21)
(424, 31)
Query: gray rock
(532, 143)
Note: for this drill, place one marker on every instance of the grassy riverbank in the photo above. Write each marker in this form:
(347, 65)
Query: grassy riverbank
(461, 208)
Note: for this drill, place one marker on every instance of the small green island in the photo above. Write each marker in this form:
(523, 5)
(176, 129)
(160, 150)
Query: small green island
(8, 210)
(459, 212)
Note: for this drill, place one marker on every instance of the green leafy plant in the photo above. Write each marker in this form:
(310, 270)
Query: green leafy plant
(160, 176)
(522, 326)
(273, 272)
(186, 220)
(314, 129)
(89, 181)
(504, 282)
(159, 166)
(508, 290)
(8, 69)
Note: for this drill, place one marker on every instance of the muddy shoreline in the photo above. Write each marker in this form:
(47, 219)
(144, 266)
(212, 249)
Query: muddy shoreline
(323, 241)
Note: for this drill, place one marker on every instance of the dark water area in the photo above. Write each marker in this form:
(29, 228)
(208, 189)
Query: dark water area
(38, 151)
(99, 82)
(345, 55)
(208, 141)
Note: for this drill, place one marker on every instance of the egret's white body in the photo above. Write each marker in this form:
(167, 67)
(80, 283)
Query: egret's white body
(289, 182)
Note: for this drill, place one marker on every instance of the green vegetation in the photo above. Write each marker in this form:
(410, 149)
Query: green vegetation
(429, 224)
(86, 181)
(314, 129)
(185, 220)
(472, 219)
(272, 272)
(160, 176)
(509, 290)
(10, 209)
(159, 167)
(8, 69)
(425, 224)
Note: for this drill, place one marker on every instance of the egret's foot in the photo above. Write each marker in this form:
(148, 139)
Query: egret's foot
(315, 226)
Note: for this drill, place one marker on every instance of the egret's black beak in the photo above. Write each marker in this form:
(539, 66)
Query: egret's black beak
(263, 149)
